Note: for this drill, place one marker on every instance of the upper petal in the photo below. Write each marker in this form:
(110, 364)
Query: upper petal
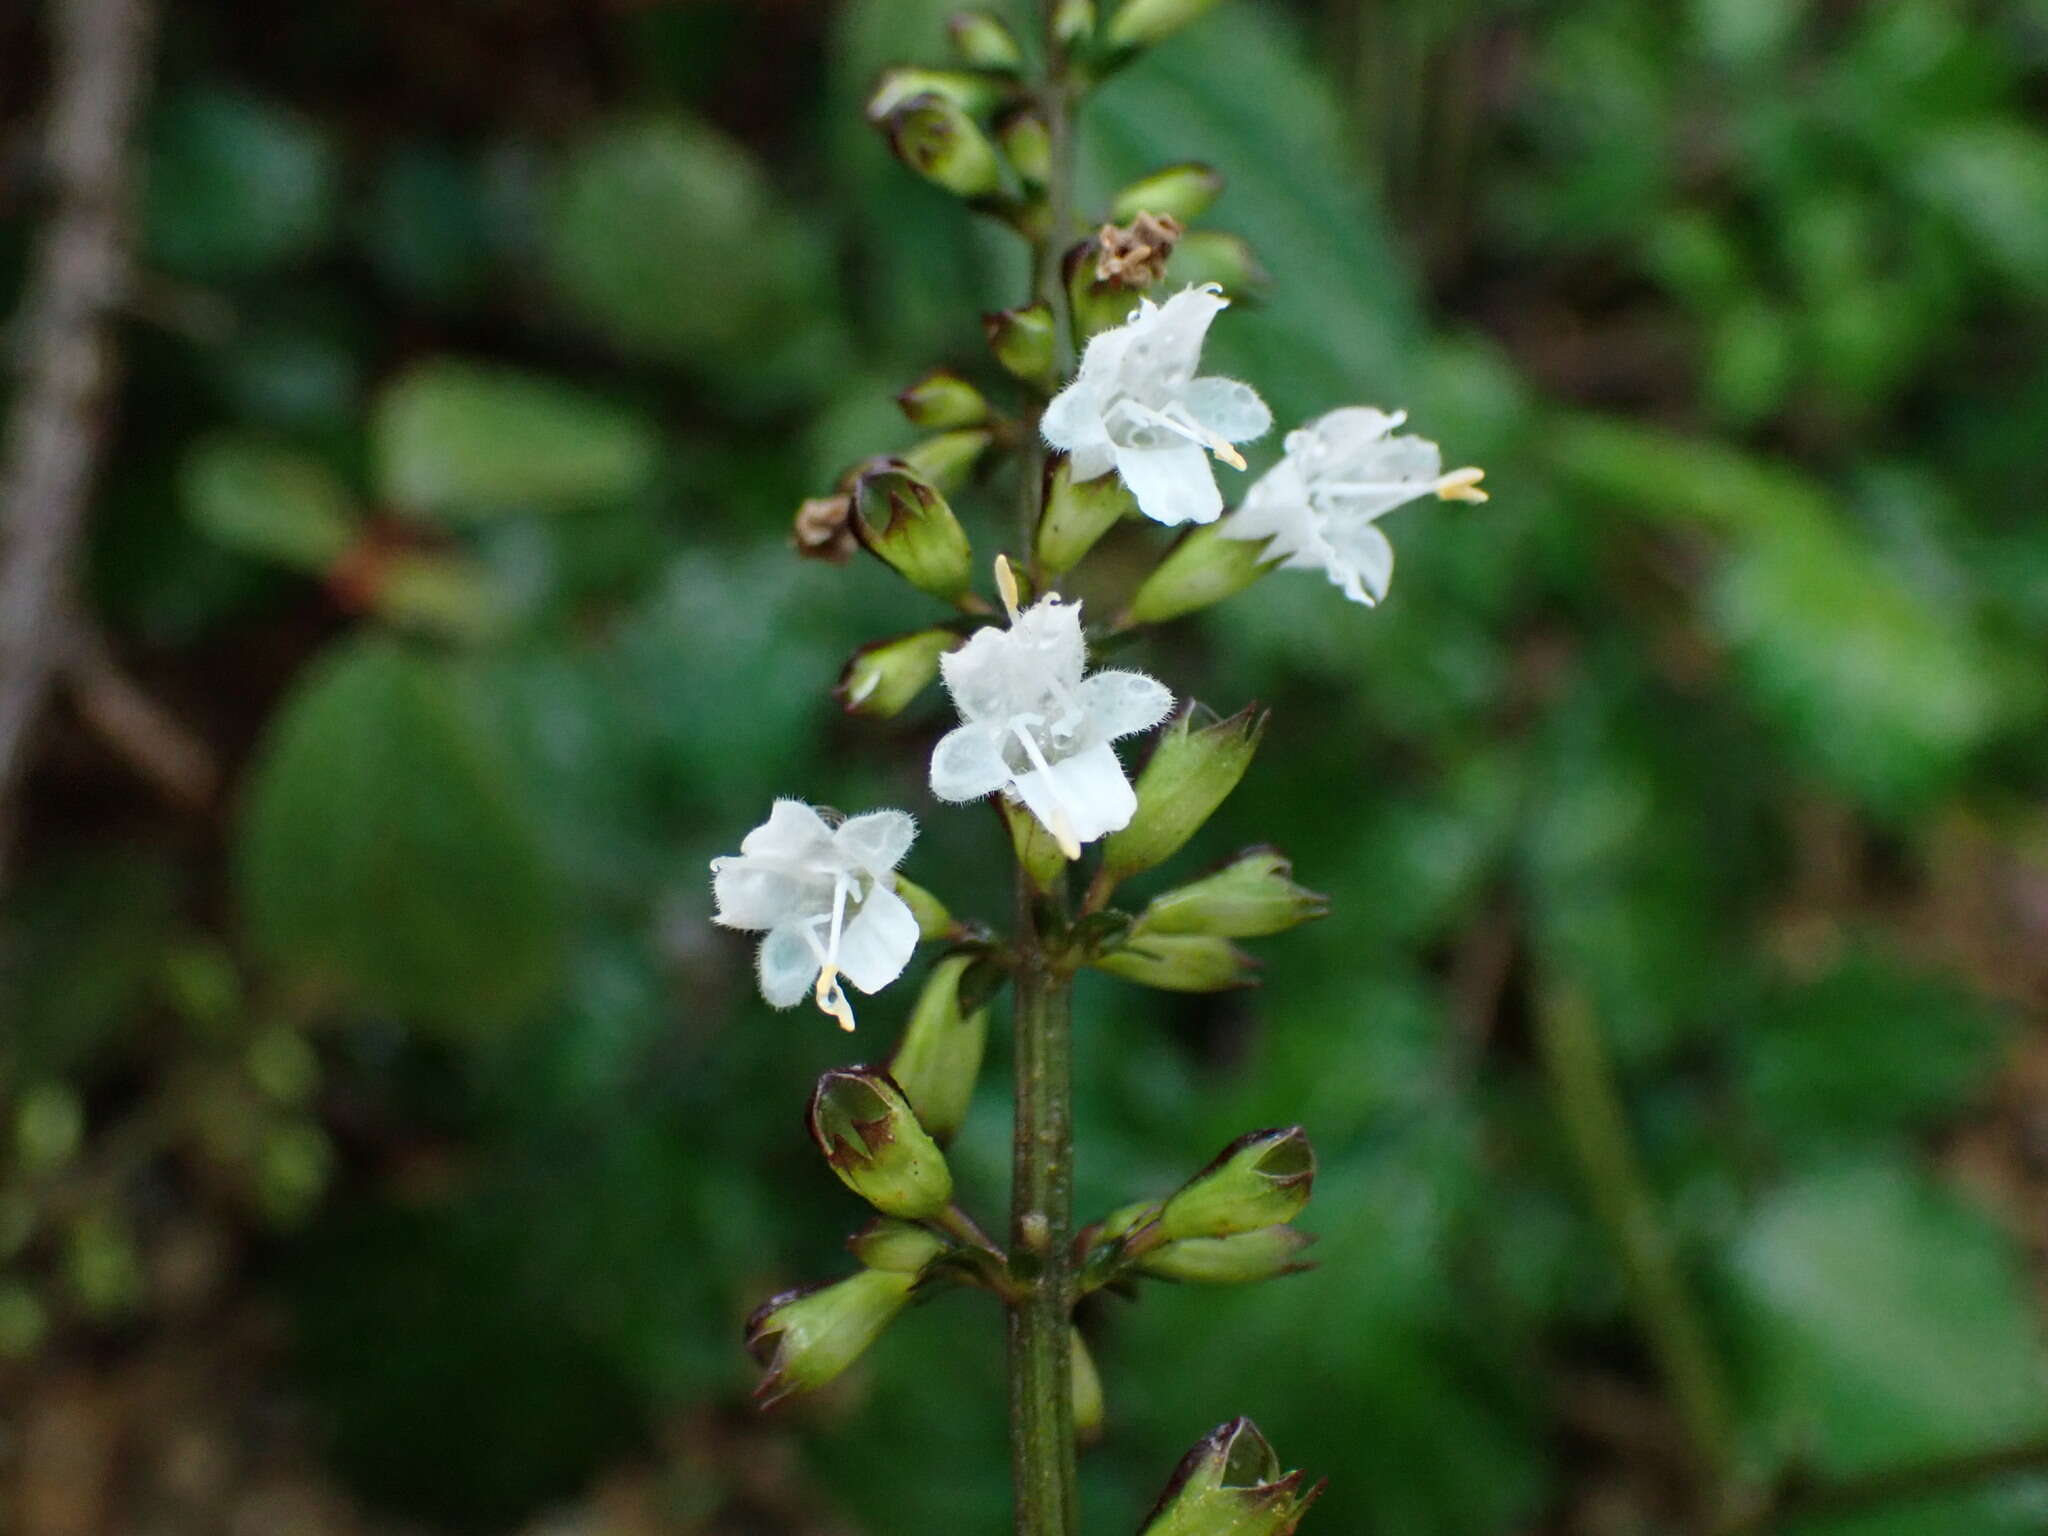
(793, 830)
(1233, 411)
(968, 763)
(1124, 703)
(1173, 484)
(879, 941)
(877, 840)
(786, 965)
(1166, 344)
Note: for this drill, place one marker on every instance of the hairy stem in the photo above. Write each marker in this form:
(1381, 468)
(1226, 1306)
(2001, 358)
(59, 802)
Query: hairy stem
(1582, 1083)
(1042, 1196)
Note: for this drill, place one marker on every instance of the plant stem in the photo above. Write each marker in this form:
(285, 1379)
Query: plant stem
(1582, 1082)
(1042, 1195)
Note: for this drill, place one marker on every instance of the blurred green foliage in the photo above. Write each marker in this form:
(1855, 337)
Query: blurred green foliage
(459, 443)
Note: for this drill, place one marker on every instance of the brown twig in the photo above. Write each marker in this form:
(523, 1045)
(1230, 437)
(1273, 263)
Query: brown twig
(79, 277)
(145, 735)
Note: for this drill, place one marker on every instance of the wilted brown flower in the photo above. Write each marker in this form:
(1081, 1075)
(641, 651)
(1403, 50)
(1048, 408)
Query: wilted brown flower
(1134, 254)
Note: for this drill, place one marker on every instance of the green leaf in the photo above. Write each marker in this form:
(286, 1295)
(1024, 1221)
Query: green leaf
(234, 186)
(1887, 1323)
(268, 501)
(385, 853)
(464, 441)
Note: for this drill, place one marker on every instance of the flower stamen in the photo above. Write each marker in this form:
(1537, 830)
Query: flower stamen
(1006, 586)
(1461, 485)
(1061, 827)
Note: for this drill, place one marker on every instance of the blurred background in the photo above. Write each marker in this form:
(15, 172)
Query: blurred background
(389, 1144)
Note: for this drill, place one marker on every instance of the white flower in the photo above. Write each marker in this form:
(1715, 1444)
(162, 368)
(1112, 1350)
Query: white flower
(1340, 475)
(1137, 407)
(1039, 730)
(825, 896)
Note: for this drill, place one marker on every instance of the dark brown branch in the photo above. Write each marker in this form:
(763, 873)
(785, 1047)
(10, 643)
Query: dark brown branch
(63, 333)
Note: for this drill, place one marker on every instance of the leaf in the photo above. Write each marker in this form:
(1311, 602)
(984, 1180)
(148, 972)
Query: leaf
(263, 500)
(1887, 1323)
(465, 441)
(235, 186)
(384, 851)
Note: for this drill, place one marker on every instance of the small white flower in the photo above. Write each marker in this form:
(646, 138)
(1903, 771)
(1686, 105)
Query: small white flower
(1036, 728)
(1137, 407)
(1341, 473)
(825, 896)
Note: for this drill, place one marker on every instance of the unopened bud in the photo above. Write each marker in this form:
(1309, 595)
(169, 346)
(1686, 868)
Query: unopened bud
(1252, 896)
(1192, 771)
(901, 1247)
(903, 519)
(1205, 567)
(984, 41)
(971, 92)
(1260, 1180)
(1141, 23)
(871, 1136)
(1180, 962)
(1087, 1390)
(939, 1057)
(943, 399)
(805, 1338)
(947, 459)
(1022, 341)
(933, 920)
(881, 678)
(1028, 145)
(824, 529)
(1228, 261)
(1077, 514)
(1183, 191)
(1073, 22)
(936, 138)
(1239, 1259)
(1231, 1484)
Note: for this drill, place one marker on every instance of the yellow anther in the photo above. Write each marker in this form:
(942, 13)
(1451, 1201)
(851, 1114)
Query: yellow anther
(1006, 586)
(832, 998)
(1461, 485)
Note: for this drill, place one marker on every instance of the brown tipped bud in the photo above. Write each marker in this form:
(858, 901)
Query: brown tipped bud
(1260, 1180)
(1184, 192)
(971, 92)
(1191, 772)
(983, 40)
(942, 399)
(901, 1247)
(824, 529)
(1239, 1259)
(805, 1338)
(1231, 1484)
(871, 1136)
(938, 139)
(902, 519)
(1252, 896)
(1022, 341)
(881, 678)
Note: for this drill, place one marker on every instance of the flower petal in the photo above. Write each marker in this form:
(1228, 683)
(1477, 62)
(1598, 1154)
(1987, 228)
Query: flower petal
(877, 840)
(1088, 791)
(879, 941)
(968, 763)
(1092, 460)
(1124, 703)
(1173, 484)
(1362, 560)
(792, 831)
(1166, 343)
(1073, 417)
(755, 894)
(786, 966)
(1233, 411)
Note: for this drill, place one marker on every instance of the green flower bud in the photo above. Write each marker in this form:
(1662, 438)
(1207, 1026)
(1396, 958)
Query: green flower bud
(1076, 515)
(901, 518)
(1022, 341)
(972, 93)
(901, 1247)
(943, 399)
(1087, 1390)
(933, 920)
(984, 41)
(881, 678)
(1185, 191)
(805, 1338)
(1141, 23)
(1026, 141)
(947, 459)
(1037, 850)
(1230, 1484)
(1125, 1220)
(1239, 1259)
(1192, 771)
(871, 1136)
(1203, 568)
(1180, 962)
(1250, 897)
(1211, 256)
(939, 1057)
(1073, 22)
(936, 138)
(1260, 1180)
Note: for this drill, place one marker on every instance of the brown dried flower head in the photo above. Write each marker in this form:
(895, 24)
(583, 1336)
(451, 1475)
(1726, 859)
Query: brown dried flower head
(1134, 254)
(824, 529)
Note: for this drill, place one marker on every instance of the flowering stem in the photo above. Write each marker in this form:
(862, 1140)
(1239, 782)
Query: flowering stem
(1042, 1196)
